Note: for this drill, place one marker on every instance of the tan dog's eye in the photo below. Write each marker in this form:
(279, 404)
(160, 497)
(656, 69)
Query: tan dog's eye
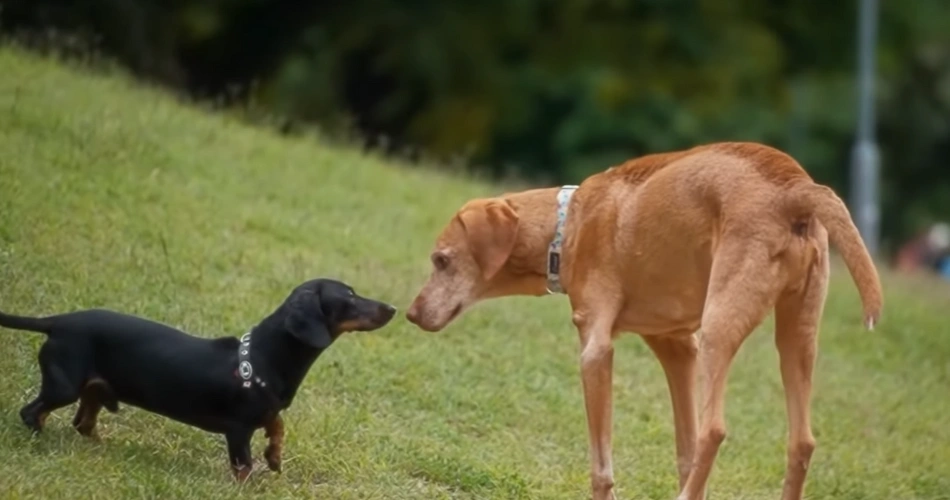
(440, 261)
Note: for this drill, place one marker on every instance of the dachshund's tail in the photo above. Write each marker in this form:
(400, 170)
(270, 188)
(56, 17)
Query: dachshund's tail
(42, 325)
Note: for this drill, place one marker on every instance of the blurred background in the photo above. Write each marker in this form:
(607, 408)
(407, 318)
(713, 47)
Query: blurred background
(553, 91)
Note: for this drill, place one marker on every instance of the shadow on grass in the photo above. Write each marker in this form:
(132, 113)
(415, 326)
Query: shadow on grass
(168, 453)
(460, 475)
(60, 439)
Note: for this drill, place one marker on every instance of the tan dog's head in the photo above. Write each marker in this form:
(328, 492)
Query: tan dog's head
(468, 256)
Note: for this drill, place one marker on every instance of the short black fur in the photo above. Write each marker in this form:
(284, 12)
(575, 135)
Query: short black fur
(102, 357)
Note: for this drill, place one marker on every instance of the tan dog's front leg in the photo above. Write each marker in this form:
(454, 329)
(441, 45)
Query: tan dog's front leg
(274, 430)
(597, 372)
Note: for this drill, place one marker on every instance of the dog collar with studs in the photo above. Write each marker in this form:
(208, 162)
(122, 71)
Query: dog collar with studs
(245, 369)
(554, 250)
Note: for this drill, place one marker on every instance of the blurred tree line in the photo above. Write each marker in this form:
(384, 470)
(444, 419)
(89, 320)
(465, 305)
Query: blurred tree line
(557, 90)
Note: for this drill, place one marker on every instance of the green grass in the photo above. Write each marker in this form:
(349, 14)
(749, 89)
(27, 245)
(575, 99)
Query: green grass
(114, 195)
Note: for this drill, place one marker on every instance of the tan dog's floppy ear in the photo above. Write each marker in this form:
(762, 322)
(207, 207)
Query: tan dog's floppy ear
(491, 229)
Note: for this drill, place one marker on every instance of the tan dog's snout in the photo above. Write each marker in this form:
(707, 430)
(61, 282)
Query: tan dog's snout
(422, 314)
(412, 314)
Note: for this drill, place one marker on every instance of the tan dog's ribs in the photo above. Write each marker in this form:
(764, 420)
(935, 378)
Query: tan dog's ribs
(274, 430)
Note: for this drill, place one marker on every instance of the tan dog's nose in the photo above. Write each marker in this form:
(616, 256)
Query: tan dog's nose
(413, 313)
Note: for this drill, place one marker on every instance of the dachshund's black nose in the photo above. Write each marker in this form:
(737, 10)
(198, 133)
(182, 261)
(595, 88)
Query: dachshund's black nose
(388, 311)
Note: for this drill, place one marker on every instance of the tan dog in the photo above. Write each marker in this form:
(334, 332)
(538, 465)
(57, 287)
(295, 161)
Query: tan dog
(665, 245)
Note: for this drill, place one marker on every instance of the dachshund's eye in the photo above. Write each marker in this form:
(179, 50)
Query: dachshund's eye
(440, 261)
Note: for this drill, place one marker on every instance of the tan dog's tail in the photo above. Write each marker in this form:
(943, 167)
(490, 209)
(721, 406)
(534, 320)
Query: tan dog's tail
(810, 198)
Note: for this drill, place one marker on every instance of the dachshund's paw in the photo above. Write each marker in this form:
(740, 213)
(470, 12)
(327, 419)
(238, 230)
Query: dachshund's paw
(272, 455)
(242, 473)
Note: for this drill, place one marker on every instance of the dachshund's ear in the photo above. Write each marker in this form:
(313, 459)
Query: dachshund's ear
(305, 320)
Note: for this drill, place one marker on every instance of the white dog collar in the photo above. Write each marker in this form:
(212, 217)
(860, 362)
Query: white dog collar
(554, 250)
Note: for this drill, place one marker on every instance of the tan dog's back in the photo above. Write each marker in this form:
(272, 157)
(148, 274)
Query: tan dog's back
(654, 225)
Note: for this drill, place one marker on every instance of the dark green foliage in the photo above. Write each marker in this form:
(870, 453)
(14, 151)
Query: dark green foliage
(558, 90)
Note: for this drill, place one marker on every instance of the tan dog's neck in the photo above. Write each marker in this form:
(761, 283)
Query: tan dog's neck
(525, 272)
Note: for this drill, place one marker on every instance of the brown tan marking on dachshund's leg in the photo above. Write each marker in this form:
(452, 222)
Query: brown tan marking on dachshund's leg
(274, 430)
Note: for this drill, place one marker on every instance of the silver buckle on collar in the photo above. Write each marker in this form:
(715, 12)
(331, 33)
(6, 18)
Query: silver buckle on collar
(246, 370)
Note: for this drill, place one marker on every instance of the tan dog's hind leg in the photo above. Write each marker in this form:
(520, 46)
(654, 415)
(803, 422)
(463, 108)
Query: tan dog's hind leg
(742, 288)
(797, 317)
(597, 359)
(677, 356)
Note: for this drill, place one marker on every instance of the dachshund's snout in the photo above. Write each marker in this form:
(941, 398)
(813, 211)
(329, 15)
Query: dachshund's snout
(386, 312)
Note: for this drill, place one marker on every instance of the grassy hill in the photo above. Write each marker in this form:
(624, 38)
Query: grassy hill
(114, 195)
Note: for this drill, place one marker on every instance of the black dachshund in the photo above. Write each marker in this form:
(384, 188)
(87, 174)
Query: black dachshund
(224, 385)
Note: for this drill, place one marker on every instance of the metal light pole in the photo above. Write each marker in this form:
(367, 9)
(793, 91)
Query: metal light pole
(866, 157)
